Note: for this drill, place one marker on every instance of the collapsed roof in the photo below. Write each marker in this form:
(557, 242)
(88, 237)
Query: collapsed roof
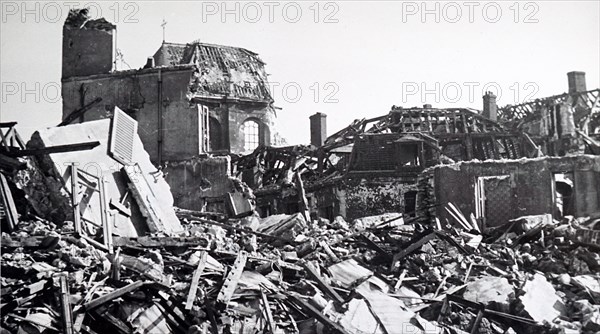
(220, 70)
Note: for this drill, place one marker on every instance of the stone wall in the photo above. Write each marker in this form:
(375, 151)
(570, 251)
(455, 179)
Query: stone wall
(531, 184)
(195, 180)
(137, 94)
(369, 197)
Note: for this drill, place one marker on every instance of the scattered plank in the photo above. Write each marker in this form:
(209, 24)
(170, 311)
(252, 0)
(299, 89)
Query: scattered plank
(119, 325)
(328, 251)
(312, 311)
(11, 164)
(8, 203)
(232, 279)
(33, 322)
(413, 247)
(75, 198)
(195, 279)
(113, 295)
(371, 244)
(67, 314)
(322, 284)
(271, 326)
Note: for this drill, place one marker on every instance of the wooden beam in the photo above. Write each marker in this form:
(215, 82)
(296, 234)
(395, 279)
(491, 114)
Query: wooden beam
(271, 326)
(12, 216)
(312, 311)
(371, 244)
(94, 243)
(11, 164)
(33, 322)
(74, 199)
(79, 112)
(413, 247)
(232, 279)
(328, 251)
(105, 217)
(7, 124)
(67, 313)
(118, 324)
(54, 149)
(113, 295)
(322, 284)
(195, 280)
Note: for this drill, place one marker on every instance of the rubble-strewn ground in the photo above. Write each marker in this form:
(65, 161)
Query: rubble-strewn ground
(282, 274)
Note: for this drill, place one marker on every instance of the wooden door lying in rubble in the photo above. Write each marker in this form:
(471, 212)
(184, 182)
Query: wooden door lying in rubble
(493, 200)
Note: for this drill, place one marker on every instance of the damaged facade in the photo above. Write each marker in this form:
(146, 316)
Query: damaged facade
(495, 192)
(373, 164)
(376, 165)
(190, 100)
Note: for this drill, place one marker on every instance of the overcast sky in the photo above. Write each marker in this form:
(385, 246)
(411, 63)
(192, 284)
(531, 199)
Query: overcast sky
(350, 59)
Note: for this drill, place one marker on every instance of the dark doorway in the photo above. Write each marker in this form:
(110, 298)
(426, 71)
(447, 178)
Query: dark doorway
(216, 135)
(563, 195)
(410, 203)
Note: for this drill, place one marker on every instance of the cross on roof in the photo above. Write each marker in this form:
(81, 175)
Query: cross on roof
(163, 25)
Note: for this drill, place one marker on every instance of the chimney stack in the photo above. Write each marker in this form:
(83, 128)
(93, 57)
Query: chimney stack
(149, 62)
(576, 82)
(318, 129)
(88, 45)
(490, 109)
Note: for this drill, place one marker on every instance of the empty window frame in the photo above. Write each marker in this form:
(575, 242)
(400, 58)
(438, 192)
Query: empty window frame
(251, 132)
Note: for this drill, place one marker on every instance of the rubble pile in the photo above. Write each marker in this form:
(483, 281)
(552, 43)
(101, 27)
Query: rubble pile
(284, 274)
(103, 252)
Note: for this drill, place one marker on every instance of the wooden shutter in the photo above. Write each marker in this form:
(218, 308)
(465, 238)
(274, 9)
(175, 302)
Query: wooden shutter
(124, 129)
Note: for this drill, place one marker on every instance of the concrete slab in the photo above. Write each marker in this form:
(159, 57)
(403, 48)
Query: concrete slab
(540, 301)
(494, 292)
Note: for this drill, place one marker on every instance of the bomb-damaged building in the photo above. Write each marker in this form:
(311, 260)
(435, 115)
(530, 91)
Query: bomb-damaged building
(490, 163)
(200, 104)
(190, 100)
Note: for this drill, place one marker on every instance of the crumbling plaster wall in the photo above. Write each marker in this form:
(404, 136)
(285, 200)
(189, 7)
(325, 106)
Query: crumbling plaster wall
(374, 196)
(192, 181)
(86, 58)
(137, 94)
(530, 181)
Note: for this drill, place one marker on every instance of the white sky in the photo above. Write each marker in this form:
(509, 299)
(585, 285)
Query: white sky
(376, 55)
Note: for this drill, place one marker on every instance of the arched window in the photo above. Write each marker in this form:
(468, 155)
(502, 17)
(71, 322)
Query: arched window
(251, 135)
